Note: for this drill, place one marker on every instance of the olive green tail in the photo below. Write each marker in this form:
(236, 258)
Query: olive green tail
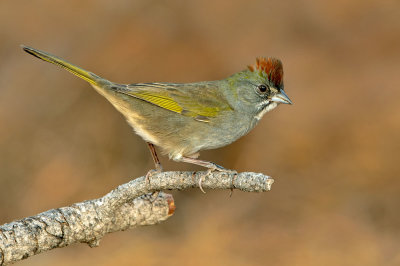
(86, 75)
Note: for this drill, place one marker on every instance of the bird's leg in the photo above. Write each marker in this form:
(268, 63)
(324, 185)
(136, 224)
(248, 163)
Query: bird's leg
(155, 157)
(157, 163)
(210, 165)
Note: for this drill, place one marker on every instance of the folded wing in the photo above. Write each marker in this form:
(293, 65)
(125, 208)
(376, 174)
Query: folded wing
(202, 101)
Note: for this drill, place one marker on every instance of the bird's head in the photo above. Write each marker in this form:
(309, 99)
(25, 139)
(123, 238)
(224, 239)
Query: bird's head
(261, 85)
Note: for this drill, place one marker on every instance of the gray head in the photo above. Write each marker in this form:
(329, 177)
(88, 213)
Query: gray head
(260, 87)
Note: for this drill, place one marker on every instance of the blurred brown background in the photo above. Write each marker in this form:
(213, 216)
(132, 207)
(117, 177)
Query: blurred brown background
(334, 154)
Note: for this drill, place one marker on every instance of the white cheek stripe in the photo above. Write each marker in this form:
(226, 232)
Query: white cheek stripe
(262, 104)
(266, 110)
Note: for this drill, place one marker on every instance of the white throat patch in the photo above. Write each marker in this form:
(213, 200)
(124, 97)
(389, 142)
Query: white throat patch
(269, 107)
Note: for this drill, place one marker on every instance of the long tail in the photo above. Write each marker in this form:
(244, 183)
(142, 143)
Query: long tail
(86, 75)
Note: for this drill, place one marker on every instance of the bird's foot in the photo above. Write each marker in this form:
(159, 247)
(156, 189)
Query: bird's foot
(220, 169)
(149, 174)
(210, 165)
(228, 171)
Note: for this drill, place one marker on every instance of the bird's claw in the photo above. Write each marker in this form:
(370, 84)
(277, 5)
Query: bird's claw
(220, 169)
(229, 171)
(149, 174)
(201, 188)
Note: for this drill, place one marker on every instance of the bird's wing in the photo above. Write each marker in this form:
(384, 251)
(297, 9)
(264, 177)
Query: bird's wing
(201, 101)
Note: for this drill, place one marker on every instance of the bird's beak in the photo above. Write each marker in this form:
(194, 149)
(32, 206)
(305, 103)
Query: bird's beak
(281, 97)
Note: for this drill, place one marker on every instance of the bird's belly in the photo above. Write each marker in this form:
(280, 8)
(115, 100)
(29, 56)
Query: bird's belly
(179, 135)
(194, 136)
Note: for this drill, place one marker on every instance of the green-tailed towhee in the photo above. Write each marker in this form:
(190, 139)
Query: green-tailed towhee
(183, 119)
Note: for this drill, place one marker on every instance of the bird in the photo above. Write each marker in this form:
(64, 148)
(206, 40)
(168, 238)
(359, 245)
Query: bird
(183, 119)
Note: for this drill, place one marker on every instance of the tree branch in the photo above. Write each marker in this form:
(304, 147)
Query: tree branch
(128, 206)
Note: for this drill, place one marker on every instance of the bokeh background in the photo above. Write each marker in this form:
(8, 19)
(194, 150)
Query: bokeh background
(334, 154)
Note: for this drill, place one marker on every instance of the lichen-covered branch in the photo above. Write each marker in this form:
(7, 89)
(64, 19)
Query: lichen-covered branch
(128, 206)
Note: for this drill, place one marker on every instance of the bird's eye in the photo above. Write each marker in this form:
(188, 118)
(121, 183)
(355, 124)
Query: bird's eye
(263, 88)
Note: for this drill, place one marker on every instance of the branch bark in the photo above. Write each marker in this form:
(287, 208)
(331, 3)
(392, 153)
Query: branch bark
(129, 205)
